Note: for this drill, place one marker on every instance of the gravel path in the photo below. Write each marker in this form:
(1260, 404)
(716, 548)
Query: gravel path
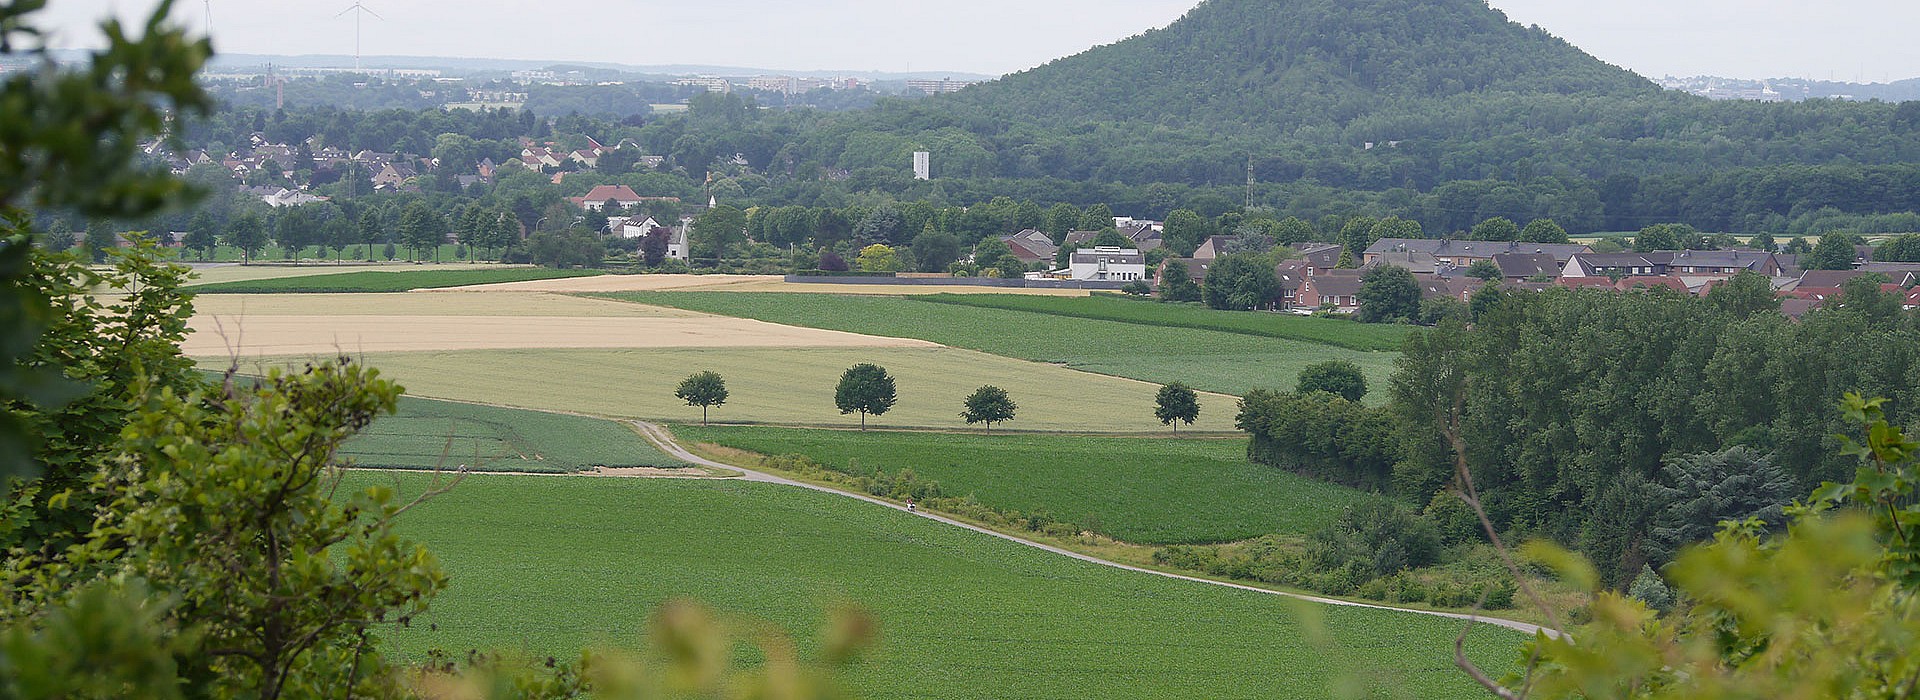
(664, 441)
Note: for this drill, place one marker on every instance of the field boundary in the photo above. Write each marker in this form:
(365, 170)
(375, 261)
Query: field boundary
(664, 441)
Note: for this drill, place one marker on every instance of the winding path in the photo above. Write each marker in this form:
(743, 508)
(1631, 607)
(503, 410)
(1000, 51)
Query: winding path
(664, 441)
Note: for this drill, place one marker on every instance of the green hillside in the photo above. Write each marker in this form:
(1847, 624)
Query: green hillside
(1287, 62)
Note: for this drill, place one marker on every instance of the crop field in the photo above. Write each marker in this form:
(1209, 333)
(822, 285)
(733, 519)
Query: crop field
(1337, 332)
(792, 386)
(213, 274)
(1229, 363)
(272, 253)
(1148, 491)
(549, 565)
(748, 283)
(427, 434)
(258, 325)
(387, 281)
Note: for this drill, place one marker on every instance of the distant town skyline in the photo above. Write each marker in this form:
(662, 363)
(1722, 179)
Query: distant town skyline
(1847, 40)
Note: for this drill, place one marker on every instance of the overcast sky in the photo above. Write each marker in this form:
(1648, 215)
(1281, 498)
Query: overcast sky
(1866, 40)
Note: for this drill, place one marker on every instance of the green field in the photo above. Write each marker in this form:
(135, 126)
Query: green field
(1229, 363)
(1107, 307)
(384, 281)
(551, 564)
(783, 386)
(428, 434)
(1149, 491)
(273, 253)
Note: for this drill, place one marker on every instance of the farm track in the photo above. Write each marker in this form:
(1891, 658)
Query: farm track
(664, 441)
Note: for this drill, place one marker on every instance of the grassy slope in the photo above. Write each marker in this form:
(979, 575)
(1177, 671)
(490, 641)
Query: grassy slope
(1140, 490)
(425, 434)
(382, 281)
(1341, 333)
(1230, 363)
(549, 565)
(789, 386)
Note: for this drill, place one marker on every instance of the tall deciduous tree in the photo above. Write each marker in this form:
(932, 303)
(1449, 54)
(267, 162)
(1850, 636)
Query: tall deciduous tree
(1177, 285)
(247, 233)
(422, 229)
(1241, 282)
(1175, 404)
(1498, 228)
(867, 389)
(1543, 231)
(1835, 252)
(1388, 294)
(988, 404)
(703, 389)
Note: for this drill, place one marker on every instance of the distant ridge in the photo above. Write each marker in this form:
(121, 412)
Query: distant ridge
(465, 65)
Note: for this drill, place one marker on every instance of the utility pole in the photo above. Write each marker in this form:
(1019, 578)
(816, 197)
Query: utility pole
(1249, 180)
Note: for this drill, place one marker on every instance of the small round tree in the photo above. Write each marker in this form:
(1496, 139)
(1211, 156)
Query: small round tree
(989, 404)
(703, 389)
(1176, 404)
(1338, 377)
(866, 388)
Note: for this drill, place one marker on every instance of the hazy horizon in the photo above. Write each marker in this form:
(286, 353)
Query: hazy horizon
(1847, 40)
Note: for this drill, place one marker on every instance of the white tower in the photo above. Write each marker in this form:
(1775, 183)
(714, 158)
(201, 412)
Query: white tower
(922, 165)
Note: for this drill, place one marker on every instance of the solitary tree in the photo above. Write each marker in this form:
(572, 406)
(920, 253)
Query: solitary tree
(1177, 285)
(989, 404)
(1543, 231)
(1835, 252)
(247, 233)
(866, 388)
(1176, 404)
(703, 389)
(1388, 294)
(1498, 228)
(1338, 377)
(1485, 269)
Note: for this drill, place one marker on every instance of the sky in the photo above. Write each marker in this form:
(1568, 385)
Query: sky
(1850, 40)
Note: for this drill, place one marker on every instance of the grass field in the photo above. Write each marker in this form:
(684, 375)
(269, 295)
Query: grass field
(1337, 332)
(1148, 491)
(498, 304)
(213, 274)
(427, 434)
(1230, 363)
(551, 564)
(789, 386)
(369, 281)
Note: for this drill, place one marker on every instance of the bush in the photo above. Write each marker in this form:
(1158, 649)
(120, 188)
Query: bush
(1138, 288)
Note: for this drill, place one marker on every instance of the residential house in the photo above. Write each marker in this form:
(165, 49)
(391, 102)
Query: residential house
(1520, 266)
(1213, 247)
(597, 198)
(1031, 246)
(1422, 263)
(589, 159)
(283, 197)
(1292, 275)
(1322, 256)
(1588, 282)
(1196, 268)
(1107, 263)
(393, 176)
(1718, 263)
(1144, 237)
(633, 227)
(1335, 289)
(1612, 265)
(1079, 238)
(1464, 253)
(1653, 282)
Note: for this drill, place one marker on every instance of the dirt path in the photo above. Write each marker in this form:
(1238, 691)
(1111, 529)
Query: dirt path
(663, 441)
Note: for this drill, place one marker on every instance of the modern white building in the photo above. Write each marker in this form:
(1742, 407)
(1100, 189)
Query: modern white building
(922, 165)
(1108, 264)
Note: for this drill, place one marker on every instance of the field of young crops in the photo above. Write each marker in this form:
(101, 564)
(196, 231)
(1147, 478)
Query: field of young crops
(785, 386)
(1230, 363)
(427, 434)
(549, 565)
(387, 281)
(1336, 332)
(1149, 491)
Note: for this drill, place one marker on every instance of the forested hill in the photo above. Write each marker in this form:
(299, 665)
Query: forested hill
(1300, 62)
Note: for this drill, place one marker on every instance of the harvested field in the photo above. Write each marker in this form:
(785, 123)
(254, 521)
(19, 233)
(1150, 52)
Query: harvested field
(738, 283)
(786, 386)
(424, 304)
(258, 335)
(218, 273)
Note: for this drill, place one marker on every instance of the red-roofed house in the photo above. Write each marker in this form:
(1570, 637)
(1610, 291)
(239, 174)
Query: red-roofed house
(1649, 282)
(598, 197)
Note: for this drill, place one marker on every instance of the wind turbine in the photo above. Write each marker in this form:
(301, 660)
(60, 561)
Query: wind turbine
(360, 11)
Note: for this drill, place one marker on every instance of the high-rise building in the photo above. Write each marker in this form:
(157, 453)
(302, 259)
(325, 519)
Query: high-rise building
(922, 165)
(938, 87)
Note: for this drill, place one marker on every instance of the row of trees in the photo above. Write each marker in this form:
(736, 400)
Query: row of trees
(869, 390)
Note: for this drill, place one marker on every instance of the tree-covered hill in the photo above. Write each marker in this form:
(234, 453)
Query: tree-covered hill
(1284, 63)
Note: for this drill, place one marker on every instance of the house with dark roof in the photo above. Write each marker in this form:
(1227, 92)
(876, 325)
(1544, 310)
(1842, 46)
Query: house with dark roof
(1418, 262)
(1031, 246)
(1292, 274)
(1464, 253)
(1105, 263)
(1213, 247)
(1196, 269)
(1078, 237)
(1144, 236)
(1335, 289)
(1322, 256)
(1519, 266)
(1724, 263)
(1612, 265)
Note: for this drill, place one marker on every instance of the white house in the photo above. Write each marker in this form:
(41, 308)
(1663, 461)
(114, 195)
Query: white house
(1108, 264)
(632, 227)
